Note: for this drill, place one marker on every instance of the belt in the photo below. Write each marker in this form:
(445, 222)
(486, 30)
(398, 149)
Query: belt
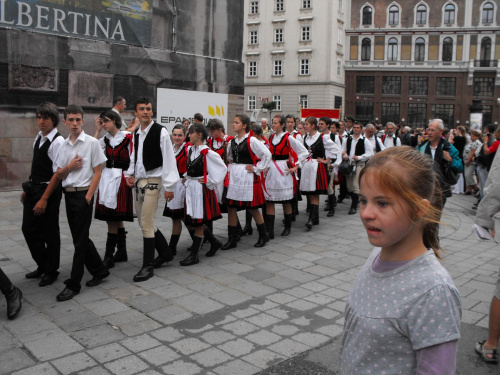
(73, 189)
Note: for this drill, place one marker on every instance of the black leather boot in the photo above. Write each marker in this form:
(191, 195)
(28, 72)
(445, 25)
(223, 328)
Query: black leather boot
(354, 204)
(232, 242)
(308, 207)
(164, 251)
(263, 236)
(191, 234)
(210, 226)
(327, 206)
(192, 258)
(248, 224)
(121, 246)
(288, 225)
(315, 217)
(270, 226)
(147, 270)
(309, 223)
(333, 202)
(215, 244)
(14, 302)
(174, 240)
(110, 249)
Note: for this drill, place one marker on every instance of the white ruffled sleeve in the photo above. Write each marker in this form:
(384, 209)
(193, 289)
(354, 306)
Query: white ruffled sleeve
(216, 169)
(262, 152)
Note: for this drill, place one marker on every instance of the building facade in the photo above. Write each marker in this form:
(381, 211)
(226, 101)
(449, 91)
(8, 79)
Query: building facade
(411, 61)
(293, 52)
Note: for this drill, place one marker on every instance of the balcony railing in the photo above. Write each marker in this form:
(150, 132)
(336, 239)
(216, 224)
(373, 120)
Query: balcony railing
(485, 63)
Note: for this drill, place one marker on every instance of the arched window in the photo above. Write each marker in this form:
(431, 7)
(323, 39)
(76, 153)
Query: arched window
(367, 15)
(449, 14)
(366, 49)
(420, 49)
(485, 55)
(421, 15)
(392, 49)
(488, 13)
(393, 15)
(447, 49)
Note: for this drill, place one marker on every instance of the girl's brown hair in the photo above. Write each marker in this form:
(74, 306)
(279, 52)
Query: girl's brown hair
(313, 121)
(405, 173)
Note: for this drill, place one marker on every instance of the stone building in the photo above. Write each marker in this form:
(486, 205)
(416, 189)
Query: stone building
(293, 52)
(411, 61)
(87, 52)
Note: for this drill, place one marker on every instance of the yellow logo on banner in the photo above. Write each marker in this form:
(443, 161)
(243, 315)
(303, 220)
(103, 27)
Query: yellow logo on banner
(217, 110)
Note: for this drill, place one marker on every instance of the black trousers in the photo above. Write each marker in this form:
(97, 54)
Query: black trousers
(5, 284)
(79, 214)
(42, 232)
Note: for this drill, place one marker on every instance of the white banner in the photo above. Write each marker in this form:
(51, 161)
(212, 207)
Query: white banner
(476, 121)
(174, 105)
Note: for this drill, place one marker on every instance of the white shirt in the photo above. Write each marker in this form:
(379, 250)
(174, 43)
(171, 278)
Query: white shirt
(53, 148)
(390, 140)
(332, 150)
(88, 149)
(368, 148)
(167, 172)
(258, 148)
(373, 141)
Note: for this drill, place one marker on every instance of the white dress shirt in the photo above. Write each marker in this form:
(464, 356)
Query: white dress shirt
(53, 148)
(368, 148)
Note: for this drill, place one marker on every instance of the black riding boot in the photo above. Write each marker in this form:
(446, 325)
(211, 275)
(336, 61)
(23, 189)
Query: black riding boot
(248, 224)
(232, 242)
(174, 240)
(354, 204)
(147, 270)
(210, 226)
(313, 216)
(121, 246)
(263, 236)
(110, 249)
(191, 234)
(333, 202)
(215, 244)
(192, 258)
(288, 225)
(308, 207)
(270, 226)
(165, 253)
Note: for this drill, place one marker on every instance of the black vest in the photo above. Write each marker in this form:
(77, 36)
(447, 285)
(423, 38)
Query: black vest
(360, 146)
(240, 153)
(195, 167)
(151, 152)
(41, 166)
(377, 145)
(317, 148)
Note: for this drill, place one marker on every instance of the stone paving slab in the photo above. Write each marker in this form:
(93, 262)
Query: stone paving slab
(243, 311)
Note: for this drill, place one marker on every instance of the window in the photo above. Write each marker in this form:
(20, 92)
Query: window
(339, 68)
(305, 33)
(418, 86)
(445, 112)
(338, 101)
(390, 112)
(421, 15)
(367, 15)
(487, 114)
(488, 13)
(340, 36)
(251, 102)
(445, 86)
(364, 111)
(303, 101)
(252, 68)
(278, 35)
(393, 15)
(420, 49)
(484, 86)
(366, 49)
(417, 114)
(365, 85)
(485, 54)
(278, 68)
(306, 4)
(254, 37)
(277, 99)
(304, 67)
(391, 85)
(254, 7)
(447, 49)
(279, 6)
(392, 50)
(449, 14)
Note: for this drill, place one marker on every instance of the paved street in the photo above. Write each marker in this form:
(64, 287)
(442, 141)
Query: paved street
(275, 310)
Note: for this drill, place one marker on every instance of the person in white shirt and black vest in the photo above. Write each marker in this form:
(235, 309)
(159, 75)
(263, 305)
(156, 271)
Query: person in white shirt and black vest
(358, 150)
(41, 227)
(389, 139)
(152, 165)
(371, 136)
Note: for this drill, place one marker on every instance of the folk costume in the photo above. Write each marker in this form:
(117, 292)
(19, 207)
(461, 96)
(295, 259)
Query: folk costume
(334, 178)
(114, 197)
(390, 141)
(297, 197)
(153, 165)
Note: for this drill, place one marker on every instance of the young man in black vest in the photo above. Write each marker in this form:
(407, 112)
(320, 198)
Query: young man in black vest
(152, 166)
(358, 150)
(41, 225)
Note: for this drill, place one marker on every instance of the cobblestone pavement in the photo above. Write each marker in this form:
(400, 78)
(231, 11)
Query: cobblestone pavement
(241, 312)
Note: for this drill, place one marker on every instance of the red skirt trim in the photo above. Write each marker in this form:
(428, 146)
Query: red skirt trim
(124, 210)
(211, 210)
(321, 181)
(258, 197)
